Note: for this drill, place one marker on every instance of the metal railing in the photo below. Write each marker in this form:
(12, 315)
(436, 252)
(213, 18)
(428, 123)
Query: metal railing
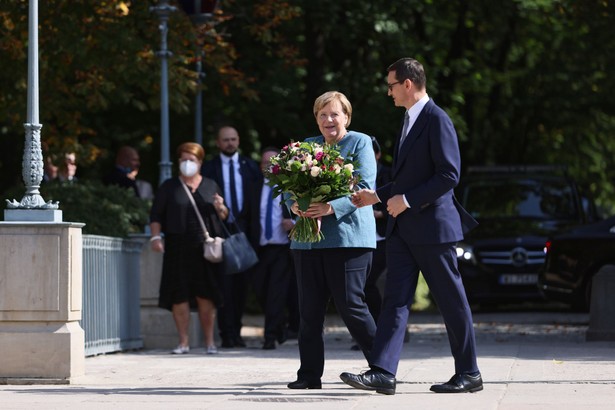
(111, 304)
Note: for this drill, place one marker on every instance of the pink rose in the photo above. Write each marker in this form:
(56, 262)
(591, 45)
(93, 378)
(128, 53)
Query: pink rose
(319, 155)
(275, 170)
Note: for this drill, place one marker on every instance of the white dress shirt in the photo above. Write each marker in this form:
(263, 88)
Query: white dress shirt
(227, 180)
(279, 235)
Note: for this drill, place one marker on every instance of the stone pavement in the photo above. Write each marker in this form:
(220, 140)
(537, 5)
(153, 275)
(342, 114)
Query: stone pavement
(528, 361)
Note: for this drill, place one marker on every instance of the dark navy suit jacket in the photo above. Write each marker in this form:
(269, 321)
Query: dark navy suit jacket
(252, 180)
(426, 170)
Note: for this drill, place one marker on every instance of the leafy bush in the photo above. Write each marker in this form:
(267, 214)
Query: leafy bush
(105, 210)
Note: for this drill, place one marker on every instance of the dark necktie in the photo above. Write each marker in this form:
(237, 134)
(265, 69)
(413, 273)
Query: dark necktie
(405, 130)
(233, 189)
(268, 217)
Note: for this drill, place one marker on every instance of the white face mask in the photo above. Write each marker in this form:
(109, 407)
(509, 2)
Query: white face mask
(188, 168)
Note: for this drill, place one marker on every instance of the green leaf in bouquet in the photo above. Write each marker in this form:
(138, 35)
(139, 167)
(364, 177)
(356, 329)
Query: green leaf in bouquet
(323, 190)
(304, 202)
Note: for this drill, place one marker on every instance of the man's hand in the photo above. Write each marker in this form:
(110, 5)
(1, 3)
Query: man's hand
(396, 205)
(287, 224)
(364, 197)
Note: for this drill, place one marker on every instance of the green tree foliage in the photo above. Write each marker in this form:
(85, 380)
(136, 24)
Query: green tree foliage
(525, 81)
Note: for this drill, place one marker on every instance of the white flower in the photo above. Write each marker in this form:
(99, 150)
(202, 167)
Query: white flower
(337, 168)
(349, 167)
(315, 171)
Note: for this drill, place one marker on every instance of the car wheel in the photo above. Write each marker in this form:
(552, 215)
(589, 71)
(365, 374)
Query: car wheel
(583, 299)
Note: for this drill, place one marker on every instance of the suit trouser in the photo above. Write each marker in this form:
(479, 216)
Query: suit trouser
(230, 314)
(373, 295)
(271, 282)
(438, 263)
(339, 273)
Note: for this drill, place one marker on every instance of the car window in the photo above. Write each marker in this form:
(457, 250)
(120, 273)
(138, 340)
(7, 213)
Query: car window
(514, 198)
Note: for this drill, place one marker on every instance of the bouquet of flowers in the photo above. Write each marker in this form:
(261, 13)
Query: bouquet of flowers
(310, 172)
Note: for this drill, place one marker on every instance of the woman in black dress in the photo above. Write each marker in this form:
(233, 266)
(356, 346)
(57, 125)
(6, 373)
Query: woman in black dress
(187, 278)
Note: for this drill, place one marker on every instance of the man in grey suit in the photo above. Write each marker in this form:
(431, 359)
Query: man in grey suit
(425, 222)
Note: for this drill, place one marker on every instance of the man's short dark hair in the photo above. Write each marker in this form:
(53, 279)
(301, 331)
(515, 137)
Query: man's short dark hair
(409, 69)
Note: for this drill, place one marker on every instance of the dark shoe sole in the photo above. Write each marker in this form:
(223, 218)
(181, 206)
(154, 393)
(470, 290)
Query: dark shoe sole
(304, 387)
(472, 390)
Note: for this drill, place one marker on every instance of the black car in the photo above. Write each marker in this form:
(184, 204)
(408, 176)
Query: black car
(518, 208)
(573, 258)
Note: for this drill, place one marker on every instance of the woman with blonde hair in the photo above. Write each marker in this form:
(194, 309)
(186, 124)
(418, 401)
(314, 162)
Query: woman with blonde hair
(187, 278)
(338, 265)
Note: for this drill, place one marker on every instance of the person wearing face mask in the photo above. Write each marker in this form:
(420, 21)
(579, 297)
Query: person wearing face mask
(188, 280)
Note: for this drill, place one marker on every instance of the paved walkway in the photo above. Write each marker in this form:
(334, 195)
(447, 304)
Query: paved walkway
(528, 361)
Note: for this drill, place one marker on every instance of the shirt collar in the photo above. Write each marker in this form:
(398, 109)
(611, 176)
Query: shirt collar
(416, 109)
(225, 159)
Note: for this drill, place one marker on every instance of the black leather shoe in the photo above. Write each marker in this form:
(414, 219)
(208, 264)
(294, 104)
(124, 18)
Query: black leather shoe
(239, 342)
(281, 337)
(227, 343)
(304, 384)
(370, 380)
(269, 345)
(460, 383)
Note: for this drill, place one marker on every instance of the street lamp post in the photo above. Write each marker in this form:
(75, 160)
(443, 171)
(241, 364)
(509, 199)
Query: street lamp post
(164, 10)
(32, 164)
(200, 12)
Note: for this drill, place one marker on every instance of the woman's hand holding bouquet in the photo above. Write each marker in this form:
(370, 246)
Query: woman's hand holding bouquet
(311, 174)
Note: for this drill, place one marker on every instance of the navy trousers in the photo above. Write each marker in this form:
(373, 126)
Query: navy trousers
(438, 263)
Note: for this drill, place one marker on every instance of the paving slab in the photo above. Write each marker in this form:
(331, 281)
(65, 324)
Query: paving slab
(528, 361)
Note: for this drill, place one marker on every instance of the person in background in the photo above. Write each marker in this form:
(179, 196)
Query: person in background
(424, 224)
(126, 161)
(271, 276)
(373, 293)
(50, 170)
(337, 266)
(187, 277)
(68, 168)
(144, 188)
(240, 178)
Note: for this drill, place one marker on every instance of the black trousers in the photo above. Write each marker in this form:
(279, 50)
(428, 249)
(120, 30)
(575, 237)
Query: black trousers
(230, 314)
(337, 273)
(270, 281)
(373, 294)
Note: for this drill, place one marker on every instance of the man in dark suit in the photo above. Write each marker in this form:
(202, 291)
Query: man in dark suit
(373, 296)
(126, 162)
(272, 275)
(240, 178)
(425, 222)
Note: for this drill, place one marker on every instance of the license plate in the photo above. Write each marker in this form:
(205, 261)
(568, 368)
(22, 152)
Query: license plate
(519, 279)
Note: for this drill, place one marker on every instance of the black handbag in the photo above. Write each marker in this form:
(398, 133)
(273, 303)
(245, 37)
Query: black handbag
(238, 253)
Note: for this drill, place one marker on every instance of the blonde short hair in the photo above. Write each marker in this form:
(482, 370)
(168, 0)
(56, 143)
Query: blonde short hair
(191, 148)
(329, 97)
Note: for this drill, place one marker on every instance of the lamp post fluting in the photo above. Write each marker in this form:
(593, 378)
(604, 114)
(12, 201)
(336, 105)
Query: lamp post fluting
(32, 164)
(164, 10)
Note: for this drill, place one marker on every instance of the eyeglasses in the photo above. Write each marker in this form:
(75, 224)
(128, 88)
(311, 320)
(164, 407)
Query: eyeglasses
(392, 84)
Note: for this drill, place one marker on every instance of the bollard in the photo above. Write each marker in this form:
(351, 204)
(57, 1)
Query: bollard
(602, 307)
